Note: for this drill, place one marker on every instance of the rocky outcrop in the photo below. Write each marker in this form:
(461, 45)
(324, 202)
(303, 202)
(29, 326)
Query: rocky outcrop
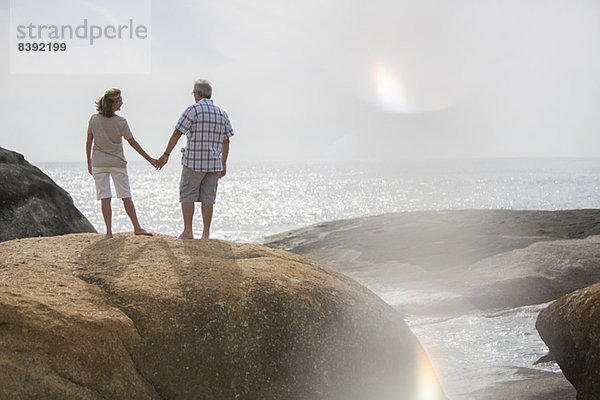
(140, 318)
(570, 327)
(539, 273)
(31, 204)
(438, 240)
(479, 259)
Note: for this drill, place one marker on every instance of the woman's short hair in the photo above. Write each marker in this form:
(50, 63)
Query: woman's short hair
(203, 88)
(106, 104)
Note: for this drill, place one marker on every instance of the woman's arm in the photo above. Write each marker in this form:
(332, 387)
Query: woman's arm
(136, 146)
(88, 151)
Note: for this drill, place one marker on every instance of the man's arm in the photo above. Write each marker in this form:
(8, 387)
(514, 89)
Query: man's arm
(170, 146)
(88, 151)
(224, 156)
(136, 146)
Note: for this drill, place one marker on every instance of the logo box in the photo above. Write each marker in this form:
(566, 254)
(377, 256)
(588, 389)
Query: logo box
(80, 37)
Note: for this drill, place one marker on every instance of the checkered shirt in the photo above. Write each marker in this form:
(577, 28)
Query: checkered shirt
(206, 127)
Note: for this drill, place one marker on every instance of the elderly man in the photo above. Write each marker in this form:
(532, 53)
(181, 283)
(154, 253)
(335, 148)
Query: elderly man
(204, 159)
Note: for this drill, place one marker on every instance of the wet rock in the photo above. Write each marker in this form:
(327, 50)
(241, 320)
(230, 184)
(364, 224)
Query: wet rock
(154, 317)
(31, 204)
(546, 358)
(570, 327)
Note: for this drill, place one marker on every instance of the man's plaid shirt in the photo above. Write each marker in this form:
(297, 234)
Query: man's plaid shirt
(206, 127)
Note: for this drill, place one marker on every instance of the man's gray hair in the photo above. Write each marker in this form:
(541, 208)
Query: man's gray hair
(203, 88)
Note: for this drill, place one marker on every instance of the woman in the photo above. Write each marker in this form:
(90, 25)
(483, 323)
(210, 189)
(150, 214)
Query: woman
(105, 131)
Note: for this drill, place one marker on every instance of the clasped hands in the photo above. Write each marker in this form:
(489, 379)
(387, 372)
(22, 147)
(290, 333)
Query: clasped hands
(160, 162)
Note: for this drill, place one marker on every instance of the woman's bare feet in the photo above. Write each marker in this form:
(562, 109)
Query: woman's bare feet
(143, 232)
(108, 236)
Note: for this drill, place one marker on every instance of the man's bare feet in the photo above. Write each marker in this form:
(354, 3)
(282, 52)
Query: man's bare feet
(204, 237)
(108, 236)
(185, 236)
(143, 232)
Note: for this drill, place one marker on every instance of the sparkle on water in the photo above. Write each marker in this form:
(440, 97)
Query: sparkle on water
(255, 200)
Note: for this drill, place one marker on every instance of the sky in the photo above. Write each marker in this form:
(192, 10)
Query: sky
(335, 80)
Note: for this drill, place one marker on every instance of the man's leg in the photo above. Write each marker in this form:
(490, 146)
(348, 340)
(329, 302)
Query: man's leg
(207, 213)
(130, 210)
(187, 208)
(107, 214)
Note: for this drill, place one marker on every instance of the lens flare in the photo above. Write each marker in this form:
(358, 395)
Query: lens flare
(396, 93)
(390, 91)
(428, 386)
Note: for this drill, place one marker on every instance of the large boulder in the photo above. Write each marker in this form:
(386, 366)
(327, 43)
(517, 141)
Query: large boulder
(570, 327)
(134, 317)
(31, 204)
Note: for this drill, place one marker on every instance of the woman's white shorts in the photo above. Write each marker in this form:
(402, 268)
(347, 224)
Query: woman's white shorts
(120, 179)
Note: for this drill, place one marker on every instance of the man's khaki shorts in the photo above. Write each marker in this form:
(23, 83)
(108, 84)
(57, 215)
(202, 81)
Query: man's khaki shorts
(120, 179)
(198, 186)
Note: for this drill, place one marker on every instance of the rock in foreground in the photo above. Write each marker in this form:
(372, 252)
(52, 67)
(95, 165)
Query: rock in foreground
(31, 204)
(570, 327)
(140, 318)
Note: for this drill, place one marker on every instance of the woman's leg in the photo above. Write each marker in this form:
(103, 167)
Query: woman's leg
(130, 210)
(121, 180)
(107, 214)
(101, 178)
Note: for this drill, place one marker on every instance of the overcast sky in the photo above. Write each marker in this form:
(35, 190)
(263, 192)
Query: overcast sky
(383, 79)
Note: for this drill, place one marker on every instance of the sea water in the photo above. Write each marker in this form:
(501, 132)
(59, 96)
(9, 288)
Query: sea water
(469, 351)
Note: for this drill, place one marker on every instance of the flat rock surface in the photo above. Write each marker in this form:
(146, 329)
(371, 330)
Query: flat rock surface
(82, 317)
(531, 385)
(485, 258)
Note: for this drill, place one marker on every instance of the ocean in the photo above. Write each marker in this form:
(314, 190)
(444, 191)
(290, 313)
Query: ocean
(469, 351)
